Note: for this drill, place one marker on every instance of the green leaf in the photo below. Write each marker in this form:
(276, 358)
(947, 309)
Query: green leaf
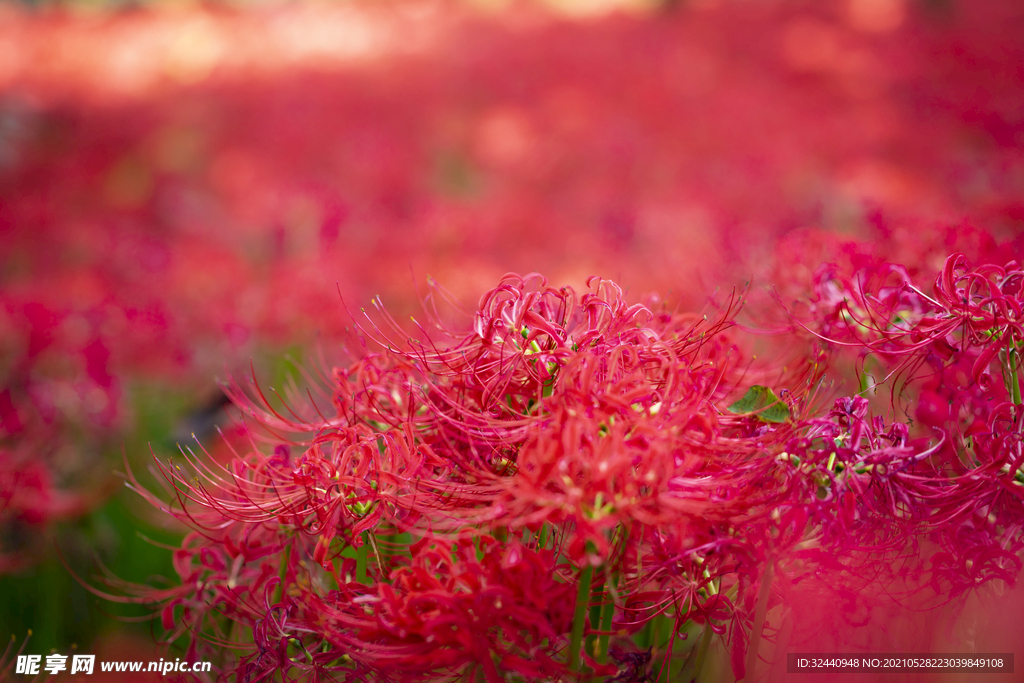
(763, 403)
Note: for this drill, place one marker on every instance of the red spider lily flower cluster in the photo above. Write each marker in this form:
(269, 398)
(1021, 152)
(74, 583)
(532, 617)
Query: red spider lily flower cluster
(157, 236)
(164, 234)
(39, 457)
(502, 502)
(946, 349)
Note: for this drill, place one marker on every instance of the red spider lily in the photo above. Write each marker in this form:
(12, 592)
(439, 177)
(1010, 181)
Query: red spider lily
(256, 218)
(474, 605)
(422, 440)
(592, 429)
(973, 312)
(159, 237)
(966, 494)
(30, 499)
(589, 369)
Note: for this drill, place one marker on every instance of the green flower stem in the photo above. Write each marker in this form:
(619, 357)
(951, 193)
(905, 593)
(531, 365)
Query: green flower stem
(339, 578)
(759, 615)
(1014, 383)
(361, 561)
(643, 638)
(595, 613)
(607, 612)
(542, 542)
(282, 572)
(666, 663)
(702, 652)
(579, 619)
(381, 569)
(657, 633)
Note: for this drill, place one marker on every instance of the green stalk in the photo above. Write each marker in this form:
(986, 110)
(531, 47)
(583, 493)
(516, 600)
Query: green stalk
(339, 578)
(372, 538)
(608, 611)
(282, 573)
(384, 548)
(702, 652)
(542, 542)
(1014, 383)
(361, 561)
(759, 615)
(579, 619)
(643, 638)
(667, 661)
(595, 614)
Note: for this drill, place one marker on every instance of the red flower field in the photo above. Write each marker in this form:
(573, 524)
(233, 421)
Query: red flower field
(506, 341)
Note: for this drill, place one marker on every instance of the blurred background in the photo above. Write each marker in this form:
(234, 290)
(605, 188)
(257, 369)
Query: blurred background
(188, 190)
